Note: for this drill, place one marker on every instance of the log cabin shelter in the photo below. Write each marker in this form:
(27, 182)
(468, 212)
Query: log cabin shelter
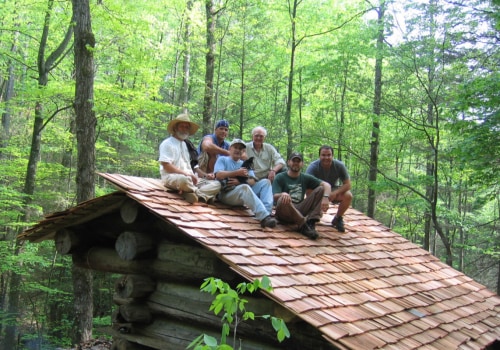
(366, 288)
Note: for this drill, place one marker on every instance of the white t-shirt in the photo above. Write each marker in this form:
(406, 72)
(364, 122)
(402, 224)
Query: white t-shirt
(175, 152)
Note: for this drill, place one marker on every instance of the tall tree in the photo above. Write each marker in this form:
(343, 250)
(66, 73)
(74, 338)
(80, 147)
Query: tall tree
(85, 135)
(377, 97)
(292, 12)
(211, 15)
(7, 94)
(44, 66)
(186, 54)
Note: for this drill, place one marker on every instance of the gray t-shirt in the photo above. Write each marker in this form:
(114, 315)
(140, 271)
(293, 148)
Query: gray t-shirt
(335, 175)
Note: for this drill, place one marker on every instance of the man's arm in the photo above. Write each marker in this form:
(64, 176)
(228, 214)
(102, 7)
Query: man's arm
(279, 192)
(222, 174)
(208, 145)
(346, 186)
(326, 196)
(202, 174)
(278, 161)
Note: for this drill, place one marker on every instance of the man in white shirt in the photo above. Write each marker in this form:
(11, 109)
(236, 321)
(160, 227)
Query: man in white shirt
(175, 164)
(267, 161)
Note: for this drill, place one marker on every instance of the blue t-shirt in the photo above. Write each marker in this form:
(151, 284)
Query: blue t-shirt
(295, 187)
(226, 163)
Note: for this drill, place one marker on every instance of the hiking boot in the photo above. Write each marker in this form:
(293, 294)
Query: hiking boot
(190, 197)
(312, 223)
(268, 221)
(309, 231)
(338, 223)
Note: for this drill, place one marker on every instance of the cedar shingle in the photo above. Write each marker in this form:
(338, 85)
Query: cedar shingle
(366, 288)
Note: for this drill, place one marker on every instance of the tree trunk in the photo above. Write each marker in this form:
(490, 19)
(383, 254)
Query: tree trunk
(434, 139)
(44, 65)
(8, 93)
(343, 103)
(498, 278)
(184, 93)
(14, 306)
(209, 67)
(288, 111)
(85, 135)
(374, 145)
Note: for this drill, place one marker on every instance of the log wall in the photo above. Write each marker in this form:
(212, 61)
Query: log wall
(158, 301)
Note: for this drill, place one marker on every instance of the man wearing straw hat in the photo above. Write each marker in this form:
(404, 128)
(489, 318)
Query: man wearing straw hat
(175, 163)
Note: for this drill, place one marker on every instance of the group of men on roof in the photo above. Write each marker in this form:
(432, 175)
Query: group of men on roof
(255, 175)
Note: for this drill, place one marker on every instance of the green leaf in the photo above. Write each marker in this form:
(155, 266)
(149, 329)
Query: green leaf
(281, 328)
(195, 342)
(266, 284)
(209, 340)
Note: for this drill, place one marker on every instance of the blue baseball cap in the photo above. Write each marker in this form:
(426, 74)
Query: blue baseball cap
(223, 123)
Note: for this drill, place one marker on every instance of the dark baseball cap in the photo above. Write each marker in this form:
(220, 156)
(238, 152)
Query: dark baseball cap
(223, 123)
(296, 155)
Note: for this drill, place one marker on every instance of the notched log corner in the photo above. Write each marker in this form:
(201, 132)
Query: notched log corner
(132, 245)
(134, 286)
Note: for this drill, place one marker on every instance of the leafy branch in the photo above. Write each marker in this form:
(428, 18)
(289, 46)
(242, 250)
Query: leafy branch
(233, 306)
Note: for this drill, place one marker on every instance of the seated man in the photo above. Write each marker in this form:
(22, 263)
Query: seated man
(292, 204)
(175, 163)
(212, 146)
(333, 171)
(267, 161)
(256, 195)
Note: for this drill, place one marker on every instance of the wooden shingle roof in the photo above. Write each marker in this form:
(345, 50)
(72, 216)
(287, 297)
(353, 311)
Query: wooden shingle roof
(367, 288)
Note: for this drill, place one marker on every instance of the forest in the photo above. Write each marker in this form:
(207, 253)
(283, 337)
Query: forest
(406, 92)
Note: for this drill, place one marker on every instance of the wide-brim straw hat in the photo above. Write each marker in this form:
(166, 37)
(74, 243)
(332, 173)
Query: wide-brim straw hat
(182, 118)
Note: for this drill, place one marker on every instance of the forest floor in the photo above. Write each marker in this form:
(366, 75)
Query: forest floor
(94, 344)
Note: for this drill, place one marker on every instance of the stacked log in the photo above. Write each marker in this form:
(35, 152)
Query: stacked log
(158, 301)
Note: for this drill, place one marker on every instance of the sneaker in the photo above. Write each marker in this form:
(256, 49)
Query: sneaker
(338, 223)
(268, 221)
(309, 231)
(190, 197)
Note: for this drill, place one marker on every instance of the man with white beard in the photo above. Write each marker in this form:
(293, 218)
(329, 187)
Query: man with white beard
(175, 164)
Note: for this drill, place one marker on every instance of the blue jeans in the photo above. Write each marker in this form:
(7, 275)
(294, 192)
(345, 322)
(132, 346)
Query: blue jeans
(264, 191)
(245, 195)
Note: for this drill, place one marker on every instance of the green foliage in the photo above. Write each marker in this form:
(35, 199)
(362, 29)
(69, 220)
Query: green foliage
(233, 306)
